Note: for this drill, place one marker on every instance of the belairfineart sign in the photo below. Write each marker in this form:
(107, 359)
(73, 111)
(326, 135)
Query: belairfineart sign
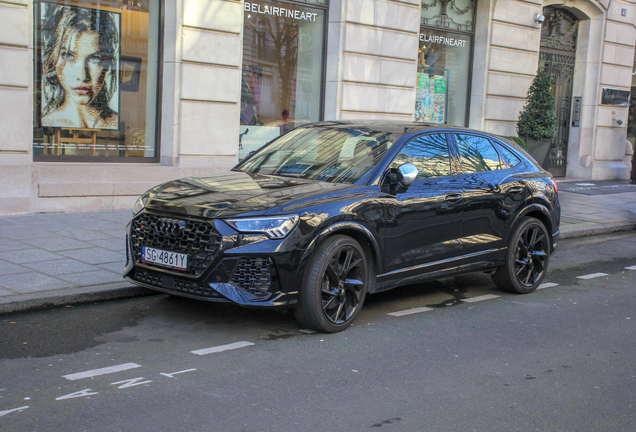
(442, 40)
(280, 12)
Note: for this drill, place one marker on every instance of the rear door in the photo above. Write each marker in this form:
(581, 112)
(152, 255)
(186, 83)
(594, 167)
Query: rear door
(491, 194)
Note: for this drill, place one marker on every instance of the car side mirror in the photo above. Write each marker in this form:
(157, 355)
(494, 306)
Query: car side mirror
(407, 173)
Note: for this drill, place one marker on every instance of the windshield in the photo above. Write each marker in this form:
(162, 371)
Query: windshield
(330, 154)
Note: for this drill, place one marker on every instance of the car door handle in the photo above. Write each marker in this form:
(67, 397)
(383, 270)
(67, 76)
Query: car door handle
(453, 198)
(515, 190)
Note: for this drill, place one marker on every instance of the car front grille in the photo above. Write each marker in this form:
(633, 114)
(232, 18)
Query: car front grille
(198, 239)
(254, 275)
(174, 283)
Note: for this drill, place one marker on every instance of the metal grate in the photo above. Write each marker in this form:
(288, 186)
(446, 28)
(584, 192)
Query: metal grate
(254, 275)
(174, 283)
(198, 239)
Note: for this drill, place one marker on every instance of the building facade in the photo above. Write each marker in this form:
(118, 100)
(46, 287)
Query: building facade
(102, 99)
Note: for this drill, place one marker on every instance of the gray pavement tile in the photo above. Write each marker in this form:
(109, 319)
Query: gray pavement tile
(55, 227)
(20, 232)
(93, 278)
(5, 292)
(10, 268)
(4, 222)
(117, 216)
(11, 245)
(118, 244)
(63, 266)
(85, 234)
(117, 267)
(101, 225)
(28, 256)
(118, 233)
(34, 219)
(58, 243)
(31, 282)
(96, 255)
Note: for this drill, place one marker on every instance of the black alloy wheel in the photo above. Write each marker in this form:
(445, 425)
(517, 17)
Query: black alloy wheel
(527, 258)
(335, 285)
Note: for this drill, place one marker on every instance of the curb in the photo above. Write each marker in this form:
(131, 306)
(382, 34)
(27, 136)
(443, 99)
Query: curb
(593, 229)
(71, 296)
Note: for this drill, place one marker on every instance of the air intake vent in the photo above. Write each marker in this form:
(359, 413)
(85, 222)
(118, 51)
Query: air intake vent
(254, 275)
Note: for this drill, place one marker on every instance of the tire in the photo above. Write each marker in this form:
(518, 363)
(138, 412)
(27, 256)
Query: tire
(335, 285)
(527, 258)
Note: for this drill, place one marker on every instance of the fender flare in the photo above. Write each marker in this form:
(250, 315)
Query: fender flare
(534, 207)
(335, 228)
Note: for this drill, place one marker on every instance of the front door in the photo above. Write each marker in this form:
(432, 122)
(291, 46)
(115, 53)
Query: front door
(423, 223)
(556, 58)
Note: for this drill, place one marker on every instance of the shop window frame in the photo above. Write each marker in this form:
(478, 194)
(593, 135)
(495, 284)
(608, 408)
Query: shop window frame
(471, 57)
(158, 106)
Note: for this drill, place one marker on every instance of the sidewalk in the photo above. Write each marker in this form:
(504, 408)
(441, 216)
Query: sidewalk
(58, 259)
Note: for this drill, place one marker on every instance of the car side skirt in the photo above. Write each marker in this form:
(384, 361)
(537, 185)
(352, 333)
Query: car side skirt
(402, 277)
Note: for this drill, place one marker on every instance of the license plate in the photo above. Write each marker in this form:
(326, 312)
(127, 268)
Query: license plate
(165, 258)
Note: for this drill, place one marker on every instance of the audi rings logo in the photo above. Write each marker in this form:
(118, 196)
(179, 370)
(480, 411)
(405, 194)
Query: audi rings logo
(170, 226)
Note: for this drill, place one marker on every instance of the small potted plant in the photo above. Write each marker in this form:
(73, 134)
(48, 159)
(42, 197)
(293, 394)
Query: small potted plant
(537, 121)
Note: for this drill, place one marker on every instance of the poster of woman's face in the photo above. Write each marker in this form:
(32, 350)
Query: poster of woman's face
(80, 58)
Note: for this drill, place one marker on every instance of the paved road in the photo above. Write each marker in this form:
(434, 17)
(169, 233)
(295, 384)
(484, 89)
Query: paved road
(560, 359)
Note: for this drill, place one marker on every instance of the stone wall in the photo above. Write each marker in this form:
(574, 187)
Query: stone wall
(372, 59)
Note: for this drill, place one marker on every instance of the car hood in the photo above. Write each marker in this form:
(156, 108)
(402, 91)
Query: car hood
(235, 193)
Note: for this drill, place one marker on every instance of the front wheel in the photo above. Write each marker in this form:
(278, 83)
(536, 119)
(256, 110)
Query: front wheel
(527, 258)
(335, 285)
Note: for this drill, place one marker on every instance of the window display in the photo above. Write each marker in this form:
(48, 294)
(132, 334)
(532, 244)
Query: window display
(444, 62)
(95, 79)
(282, 70)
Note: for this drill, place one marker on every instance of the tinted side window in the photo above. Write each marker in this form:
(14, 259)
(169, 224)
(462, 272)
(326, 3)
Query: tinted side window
(507, 156)
(477, 154)
(429, 153)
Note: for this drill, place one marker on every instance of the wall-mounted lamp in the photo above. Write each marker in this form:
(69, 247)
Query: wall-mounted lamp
(539, 18)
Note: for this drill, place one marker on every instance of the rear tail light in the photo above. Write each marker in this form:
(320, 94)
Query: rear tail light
(555, 185)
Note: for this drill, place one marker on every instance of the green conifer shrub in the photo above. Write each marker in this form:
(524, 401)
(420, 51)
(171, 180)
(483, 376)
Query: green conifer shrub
(538, 118)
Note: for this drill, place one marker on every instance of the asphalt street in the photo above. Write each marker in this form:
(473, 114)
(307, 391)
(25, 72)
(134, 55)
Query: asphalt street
(452, 355)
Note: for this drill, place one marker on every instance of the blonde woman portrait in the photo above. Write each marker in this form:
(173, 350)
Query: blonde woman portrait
(80, 57)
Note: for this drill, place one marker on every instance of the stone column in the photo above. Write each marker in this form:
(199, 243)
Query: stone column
(616, 72)
(16, 106)
(202, 84)
(372, 59)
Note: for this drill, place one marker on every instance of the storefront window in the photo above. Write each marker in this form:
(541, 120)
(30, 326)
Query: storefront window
(444, 61)
(282, 70)
(96, 67)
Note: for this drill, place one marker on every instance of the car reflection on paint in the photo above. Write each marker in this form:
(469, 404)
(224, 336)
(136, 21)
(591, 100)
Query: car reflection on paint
(333, 211)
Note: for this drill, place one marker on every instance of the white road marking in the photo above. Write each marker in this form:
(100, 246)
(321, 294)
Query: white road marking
(130, 382)
(592, 276)
(480, 298)
(585, 184)
(410, 311)
(172, 374)
(547, 285)
(81, 393)
(3, 413)
(631, 268)
(222, 348)
(102, 371)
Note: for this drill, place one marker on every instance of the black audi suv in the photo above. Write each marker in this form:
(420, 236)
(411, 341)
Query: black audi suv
(330, 212)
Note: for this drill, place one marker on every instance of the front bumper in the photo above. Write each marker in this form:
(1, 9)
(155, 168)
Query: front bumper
(248, 270)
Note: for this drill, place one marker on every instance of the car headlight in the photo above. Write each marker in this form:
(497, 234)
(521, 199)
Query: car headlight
(273, 227)
(140, 204)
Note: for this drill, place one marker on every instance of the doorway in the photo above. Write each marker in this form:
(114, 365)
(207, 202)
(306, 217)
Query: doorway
(556, 58)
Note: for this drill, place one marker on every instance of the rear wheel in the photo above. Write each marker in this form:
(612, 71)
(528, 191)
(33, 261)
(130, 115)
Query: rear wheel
(527, 258)
(335, 285)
